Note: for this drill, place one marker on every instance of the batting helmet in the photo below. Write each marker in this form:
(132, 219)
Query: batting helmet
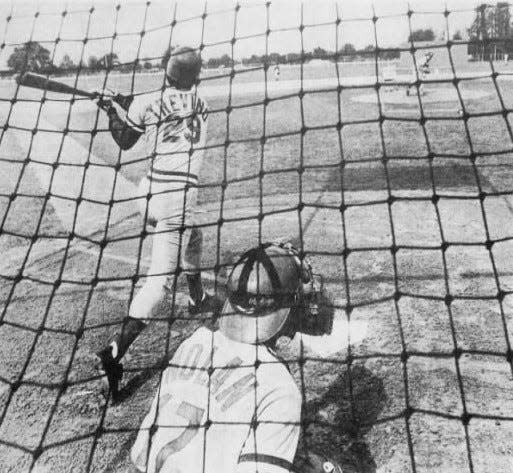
(183, 68)
(263, 288)
(315, 463)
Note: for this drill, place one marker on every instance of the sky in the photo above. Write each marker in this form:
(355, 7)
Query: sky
(221, 23)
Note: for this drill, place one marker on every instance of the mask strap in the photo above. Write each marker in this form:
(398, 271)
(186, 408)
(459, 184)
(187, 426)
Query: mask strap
(250, 257)
(271, 270)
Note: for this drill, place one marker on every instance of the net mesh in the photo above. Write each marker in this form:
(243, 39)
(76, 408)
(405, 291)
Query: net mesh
(392, 175)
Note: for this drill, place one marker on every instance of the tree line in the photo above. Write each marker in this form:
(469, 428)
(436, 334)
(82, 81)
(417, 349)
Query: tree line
(490, 37)
(347, 53)
(34, 57)
(491, 34)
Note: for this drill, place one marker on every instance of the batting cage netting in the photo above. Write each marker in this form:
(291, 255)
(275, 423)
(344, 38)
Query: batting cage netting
(377, 138)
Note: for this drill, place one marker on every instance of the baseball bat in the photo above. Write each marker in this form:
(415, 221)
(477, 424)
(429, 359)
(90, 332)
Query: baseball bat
(29, 79)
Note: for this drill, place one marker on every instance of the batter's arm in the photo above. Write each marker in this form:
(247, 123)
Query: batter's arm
(116, 106)
(122, 133)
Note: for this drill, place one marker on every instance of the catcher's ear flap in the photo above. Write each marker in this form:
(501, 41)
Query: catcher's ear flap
(314, 314)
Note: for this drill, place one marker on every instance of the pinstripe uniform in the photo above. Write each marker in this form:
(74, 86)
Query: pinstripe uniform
(174, 123)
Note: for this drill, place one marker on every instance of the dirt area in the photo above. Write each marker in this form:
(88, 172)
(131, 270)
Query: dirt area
(416, 246)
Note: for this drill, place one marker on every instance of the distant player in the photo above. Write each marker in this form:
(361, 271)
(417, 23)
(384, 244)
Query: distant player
(276, 72)
(174, 124)
(226, 403)
(424, 70)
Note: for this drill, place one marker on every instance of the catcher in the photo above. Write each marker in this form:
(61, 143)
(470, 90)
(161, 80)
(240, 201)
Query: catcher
(226, 402)
(173, 122)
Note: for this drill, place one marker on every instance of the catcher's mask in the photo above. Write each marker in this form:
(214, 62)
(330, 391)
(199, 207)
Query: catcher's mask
(271, 291)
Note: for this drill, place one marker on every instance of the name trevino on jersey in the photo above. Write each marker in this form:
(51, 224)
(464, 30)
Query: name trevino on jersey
(174, 123)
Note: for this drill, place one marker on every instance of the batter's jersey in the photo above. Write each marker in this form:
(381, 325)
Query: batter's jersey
(174, 123)
(222, 407)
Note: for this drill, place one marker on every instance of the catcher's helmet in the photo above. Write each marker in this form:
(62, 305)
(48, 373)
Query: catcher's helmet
(315, 463)
(264, 285)
(183, 67)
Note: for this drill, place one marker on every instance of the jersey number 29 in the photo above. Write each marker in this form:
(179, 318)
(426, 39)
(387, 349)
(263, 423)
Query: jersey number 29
(191, 131)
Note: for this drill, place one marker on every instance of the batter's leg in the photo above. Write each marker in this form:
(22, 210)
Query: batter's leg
(167, 245)
(192, 265)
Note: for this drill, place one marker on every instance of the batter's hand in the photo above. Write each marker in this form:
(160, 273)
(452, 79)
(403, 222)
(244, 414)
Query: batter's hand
(124, 101)
(111, 97)
(103, 99)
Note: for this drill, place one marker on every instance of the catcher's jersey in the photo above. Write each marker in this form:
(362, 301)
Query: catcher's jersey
(216, 412)
(174, 123)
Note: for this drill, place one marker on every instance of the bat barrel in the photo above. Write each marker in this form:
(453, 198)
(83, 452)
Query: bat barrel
(38, 81)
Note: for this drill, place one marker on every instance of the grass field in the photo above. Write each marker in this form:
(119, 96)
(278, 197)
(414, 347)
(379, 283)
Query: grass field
(429, 389)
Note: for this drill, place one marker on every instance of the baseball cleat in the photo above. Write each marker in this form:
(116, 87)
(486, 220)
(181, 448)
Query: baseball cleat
(110, 368)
